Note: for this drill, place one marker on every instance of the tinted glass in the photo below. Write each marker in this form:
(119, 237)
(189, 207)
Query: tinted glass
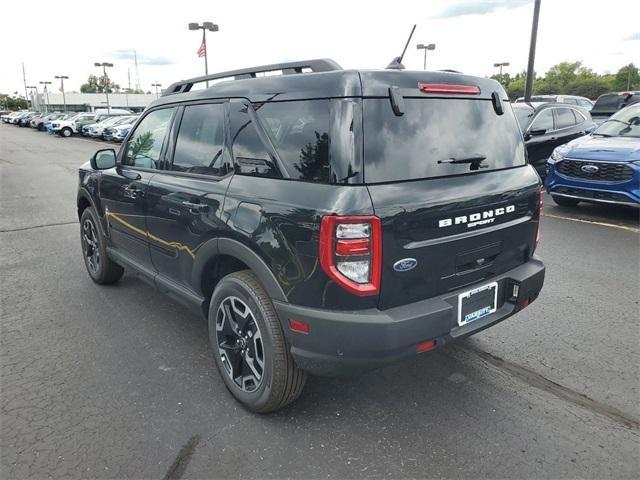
(145, 144)
(579, 117)
(199, 148)
(437, 130)
(570, 101)
(299, 132)
(251, 155)
(625, 123)
(524, 114)
(544, 121)
(585, 104)
(564, 118)
(608, 102)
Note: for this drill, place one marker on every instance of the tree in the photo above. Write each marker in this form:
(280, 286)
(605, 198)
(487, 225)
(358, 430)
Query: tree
(627, 78)
(96, 84)
(13, 102)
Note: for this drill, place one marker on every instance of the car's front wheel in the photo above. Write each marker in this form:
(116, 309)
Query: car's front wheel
(249, 345)
(565, 201)
(101, 268)
(66, 132)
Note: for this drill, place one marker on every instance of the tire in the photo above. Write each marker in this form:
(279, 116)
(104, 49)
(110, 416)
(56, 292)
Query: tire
(100, 267)
(66, 132)
(40, 127)
(240, 297)
(565, 201)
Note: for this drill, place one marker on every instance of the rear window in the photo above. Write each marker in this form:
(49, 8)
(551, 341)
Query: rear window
(411, 146)
(608, 102)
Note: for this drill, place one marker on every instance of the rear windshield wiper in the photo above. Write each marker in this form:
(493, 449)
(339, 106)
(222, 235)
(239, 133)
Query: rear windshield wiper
(477, 159)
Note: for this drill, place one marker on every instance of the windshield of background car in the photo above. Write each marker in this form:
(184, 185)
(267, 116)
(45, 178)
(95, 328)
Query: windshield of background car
(625, 123)
(433, 133)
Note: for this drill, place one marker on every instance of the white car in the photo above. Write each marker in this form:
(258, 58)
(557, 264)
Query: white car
(120, 132)
(66, 128)
(98, 128)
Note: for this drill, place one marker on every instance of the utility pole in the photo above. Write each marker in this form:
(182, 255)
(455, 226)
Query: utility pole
(46, 93)
(429, 46)
(24, 80)
(156, 85)
(104, 66)
(64, 98)
(532, 52)
(202, 51)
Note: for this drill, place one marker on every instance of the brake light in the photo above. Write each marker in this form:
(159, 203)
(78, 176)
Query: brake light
(449, 88)
(351, 252)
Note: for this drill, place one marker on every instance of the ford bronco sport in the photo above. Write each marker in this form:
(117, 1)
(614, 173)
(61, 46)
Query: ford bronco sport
(325, 221)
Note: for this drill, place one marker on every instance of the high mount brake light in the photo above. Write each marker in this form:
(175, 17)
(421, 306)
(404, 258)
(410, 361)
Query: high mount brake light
(351, 252)
(449, 88)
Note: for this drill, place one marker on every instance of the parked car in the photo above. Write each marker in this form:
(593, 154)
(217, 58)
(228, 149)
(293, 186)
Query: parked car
(109, 130)
(49, 123)
(16, 120)
(8, 118)
(97, 129)
(39, 122)
(120, 132)
(68, 127)
(547, 125)
(25, 119)
(361, 218)
(609, 103)
(583, 102)
(602, 167)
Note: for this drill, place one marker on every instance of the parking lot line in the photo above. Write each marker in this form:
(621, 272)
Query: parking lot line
(603, 224)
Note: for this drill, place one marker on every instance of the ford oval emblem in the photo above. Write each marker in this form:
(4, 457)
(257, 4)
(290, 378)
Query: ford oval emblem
(405, 264)
(589, 168)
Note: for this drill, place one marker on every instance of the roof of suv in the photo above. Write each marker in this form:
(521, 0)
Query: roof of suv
(327, 83)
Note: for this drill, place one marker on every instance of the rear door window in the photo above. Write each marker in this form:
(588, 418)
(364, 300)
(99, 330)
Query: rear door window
(434, 133)
(543, 121)
(200, 143)
(564, 118)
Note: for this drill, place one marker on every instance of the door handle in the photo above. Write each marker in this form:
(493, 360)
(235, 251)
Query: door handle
(196, 207)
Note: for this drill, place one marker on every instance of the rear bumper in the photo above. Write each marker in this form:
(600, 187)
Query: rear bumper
(350, 342)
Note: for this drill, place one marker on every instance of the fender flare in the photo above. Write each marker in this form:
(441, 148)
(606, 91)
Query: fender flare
(234, 248)
(84, 193)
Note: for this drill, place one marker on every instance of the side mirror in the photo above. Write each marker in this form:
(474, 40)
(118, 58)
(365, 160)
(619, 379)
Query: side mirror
(537, 132)
(104, 159)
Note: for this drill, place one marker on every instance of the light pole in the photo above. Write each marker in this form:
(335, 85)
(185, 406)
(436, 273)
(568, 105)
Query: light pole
(202, 51)
(104, 66)
(532, 52)
(156, 85)
(429, 46)
(501, 64)
(64, 98)
(46, 93)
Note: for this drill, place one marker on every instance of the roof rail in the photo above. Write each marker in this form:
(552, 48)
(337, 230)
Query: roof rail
(319, 65)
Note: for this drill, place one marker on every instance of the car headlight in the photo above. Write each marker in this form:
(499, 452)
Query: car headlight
(559, 153)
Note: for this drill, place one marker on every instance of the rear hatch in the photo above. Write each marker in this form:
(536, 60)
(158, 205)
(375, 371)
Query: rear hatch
(447, 225)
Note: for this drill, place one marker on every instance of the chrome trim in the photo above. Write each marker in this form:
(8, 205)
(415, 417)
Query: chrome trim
(598, 161)
(586, 199)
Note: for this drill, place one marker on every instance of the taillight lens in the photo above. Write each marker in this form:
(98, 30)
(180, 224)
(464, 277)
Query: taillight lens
(351, 252)
(449, 88)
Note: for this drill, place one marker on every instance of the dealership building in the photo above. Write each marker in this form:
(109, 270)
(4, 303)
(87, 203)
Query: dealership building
(89, 102)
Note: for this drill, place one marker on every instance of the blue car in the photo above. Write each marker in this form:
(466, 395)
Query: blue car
(602, 167)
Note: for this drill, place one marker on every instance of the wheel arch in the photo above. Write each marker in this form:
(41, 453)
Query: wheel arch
(220, 256)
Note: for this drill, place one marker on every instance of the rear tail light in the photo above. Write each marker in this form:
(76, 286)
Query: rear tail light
(351, 252)
(449, 88)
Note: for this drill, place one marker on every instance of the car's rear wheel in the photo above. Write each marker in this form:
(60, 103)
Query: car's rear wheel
(40, 127)
(249, 345)
(100, 267)
(565, 201)
(66, 132)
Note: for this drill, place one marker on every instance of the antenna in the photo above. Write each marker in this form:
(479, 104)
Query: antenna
(396, 63)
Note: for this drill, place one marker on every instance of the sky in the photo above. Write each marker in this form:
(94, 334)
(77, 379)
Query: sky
(470, 36)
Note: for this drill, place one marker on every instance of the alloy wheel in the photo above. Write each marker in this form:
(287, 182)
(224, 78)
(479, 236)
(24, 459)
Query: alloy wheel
(90, 246)
(240, 343)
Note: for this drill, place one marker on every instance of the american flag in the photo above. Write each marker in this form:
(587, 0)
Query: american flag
(202, 51)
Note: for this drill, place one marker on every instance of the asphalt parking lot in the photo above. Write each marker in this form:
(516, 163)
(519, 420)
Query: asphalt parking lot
(113, 382)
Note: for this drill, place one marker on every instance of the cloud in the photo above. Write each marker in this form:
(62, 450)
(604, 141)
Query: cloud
(480, 7)
(634, 36)
(127, 54)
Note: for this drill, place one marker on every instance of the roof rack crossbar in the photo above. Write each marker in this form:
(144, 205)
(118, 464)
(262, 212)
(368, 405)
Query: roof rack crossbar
(290, 68)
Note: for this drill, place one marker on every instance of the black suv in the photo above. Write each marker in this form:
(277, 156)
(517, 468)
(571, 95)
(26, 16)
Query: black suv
(326, 221)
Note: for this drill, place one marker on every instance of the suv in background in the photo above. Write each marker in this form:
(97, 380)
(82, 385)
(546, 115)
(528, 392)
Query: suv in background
(583, 102)
(609, 103)
(68, 127)
(349, 220)
(547, 125)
